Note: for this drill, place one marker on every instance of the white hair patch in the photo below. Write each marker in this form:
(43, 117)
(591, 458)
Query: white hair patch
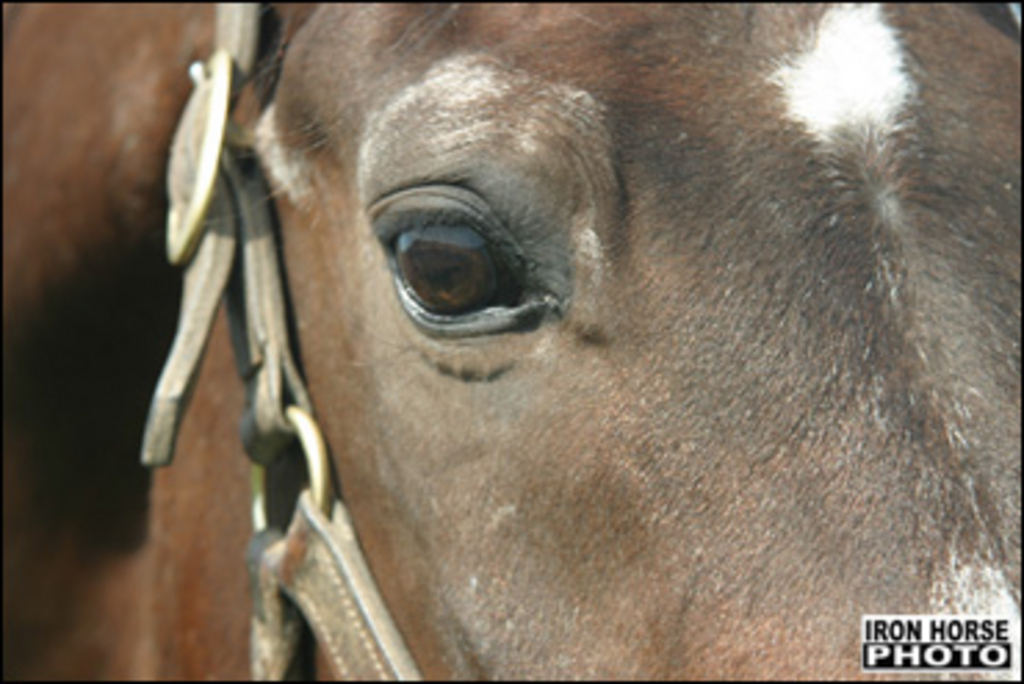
(852, 74)
(288, 169)
(977, 588)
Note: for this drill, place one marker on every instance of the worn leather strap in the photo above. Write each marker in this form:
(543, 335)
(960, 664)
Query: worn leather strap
(257, 317)
(320, 567)
(205, 278)
(200, 195)
(221, 226)
(238, 31)
(276, 629)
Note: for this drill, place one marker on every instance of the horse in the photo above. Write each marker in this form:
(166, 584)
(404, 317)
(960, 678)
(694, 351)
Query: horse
(646, 341)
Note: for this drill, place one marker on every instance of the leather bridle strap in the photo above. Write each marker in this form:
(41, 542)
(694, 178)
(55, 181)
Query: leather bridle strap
(321, 568)
(221, 228)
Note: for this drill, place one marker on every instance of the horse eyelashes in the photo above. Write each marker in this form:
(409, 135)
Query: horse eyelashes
(456, 269)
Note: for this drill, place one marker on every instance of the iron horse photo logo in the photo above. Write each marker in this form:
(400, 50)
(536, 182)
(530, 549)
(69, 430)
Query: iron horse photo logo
(938, 643)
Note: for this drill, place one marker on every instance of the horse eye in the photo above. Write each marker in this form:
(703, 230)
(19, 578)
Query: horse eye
(450, 270)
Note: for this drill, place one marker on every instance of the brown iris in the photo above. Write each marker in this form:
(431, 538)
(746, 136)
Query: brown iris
(449, 269)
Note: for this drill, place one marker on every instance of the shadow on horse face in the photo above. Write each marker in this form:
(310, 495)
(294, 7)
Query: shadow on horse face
(738, 363)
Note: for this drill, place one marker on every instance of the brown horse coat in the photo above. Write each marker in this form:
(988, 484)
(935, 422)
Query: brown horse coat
(777, 386)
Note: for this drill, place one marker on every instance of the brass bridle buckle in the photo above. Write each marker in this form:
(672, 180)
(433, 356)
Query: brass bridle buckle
(194, 174)
(220, 228)
(315, 451)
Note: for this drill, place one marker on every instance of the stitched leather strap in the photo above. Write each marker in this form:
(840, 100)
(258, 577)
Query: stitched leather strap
(220, 205)
(320, 567)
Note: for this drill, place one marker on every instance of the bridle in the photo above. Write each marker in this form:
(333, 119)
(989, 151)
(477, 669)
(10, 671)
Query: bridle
(222, 231)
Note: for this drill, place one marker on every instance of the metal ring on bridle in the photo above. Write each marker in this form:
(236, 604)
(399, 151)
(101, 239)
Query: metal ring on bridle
(313, 447)
(184, 229)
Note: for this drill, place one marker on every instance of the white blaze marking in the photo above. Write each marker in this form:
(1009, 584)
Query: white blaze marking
(977, 588)
(851, 75)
